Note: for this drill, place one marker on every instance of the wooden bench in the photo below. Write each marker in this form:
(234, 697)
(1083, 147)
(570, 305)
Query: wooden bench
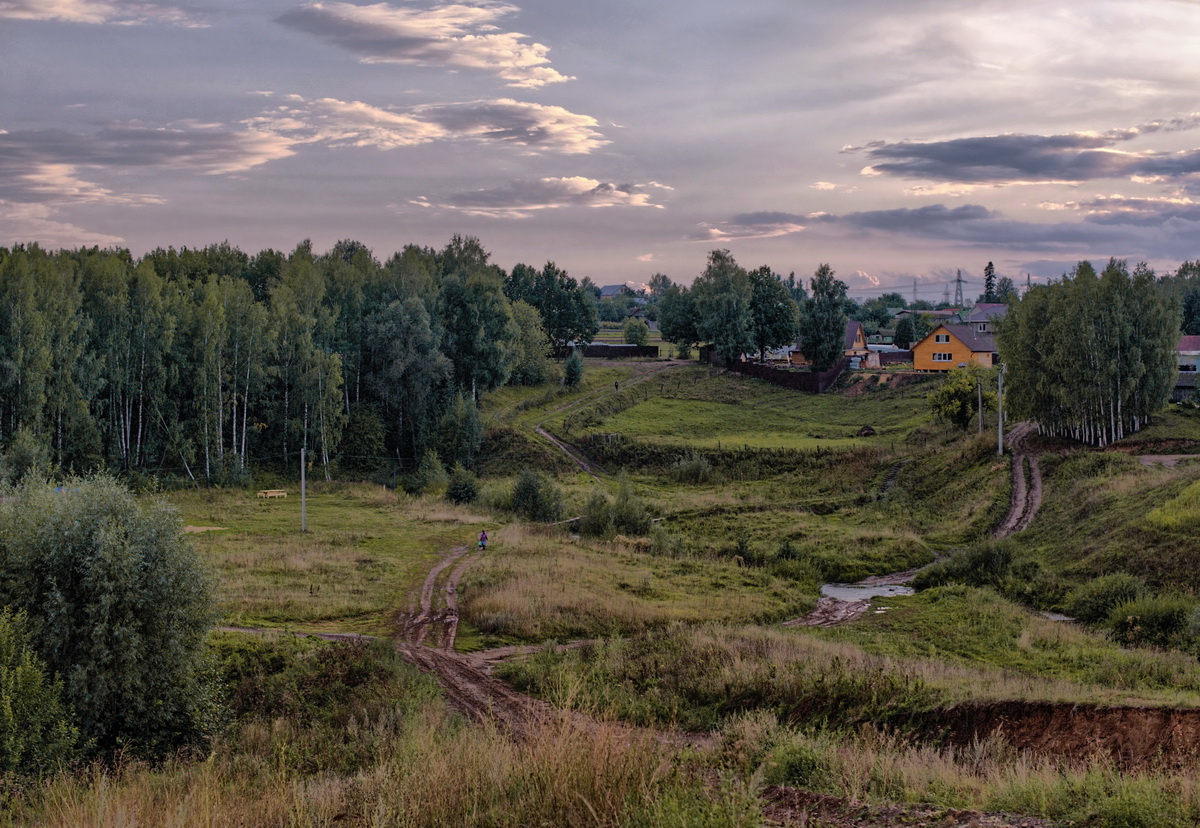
(272, 493)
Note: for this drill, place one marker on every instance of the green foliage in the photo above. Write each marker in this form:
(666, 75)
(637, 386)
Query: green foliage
(635, 331)
(461, 432)
(1158, 620)
(36, 733)
(596, 520)
(823, 322)
(677, 318)
(428, 477)
(773, 313)
(956, 400)
(1093, 602)
(118, 604)
(463, 486)
(629, 513)
(695, 469)
(721, 297)
(1118, 330)
(997, 564)
(796, 763)
(532, 366)
(534, 497)
(27, 456)
(573, 369)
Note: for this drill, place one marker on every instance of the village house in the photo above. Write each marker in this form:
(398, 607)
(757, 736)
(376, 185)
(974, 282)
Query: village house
(1188, 360)
(950, 346)
(854, 343)
(984, 315)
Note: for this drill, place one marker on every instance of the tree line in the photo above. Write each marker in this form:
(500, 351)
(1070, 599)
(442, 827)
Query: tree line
(201, 360)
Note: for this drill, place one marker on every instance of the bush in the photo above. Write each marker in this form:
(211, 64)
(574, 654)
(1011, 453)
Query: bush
(573, 369)
(798, 764)
(1159, 620)
(1093, 602)
(35, 729)
(629, 515)
(119, 604)
(636, 331)
(463, 486)
(695, 469)
(429, 476)
(535, 498)
(596, 520)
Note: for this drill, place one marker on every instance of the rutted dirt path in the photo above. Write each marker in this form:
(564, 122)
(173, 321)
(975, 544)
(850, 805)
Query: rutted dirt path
(1024, 503)
(1026, 485)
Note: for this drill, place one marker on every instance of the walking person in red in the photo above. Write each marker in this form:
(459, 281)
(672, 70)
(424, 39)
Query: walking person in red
(483, 539)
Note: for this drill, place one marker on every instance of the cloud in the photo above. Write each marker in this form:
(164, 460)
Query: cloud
(520, 199)
(822, 185)
(45, 166)
(1017, 158)
(535, 127)
(94, 12)
(25, 222)
(453, 35)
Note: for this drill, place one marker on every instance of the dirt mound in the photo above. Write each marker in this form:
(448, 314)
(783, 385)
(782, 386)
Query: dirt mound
(1132, 737)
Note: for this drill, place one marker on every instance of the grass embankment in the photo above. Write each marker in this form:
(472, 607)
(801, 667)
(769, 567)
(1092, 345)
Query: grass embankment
(365, 548)
(350, 735)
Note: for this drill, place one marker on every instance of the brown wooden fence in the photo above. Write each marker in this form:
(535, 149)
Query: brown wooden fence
(812, 382)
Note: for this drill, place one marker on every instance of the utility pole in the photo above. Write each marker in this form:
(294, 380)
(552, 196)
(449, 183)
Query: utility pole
(303, 496)
(979, 388)
(1028, 282)
(1000, 410)
(914, 289)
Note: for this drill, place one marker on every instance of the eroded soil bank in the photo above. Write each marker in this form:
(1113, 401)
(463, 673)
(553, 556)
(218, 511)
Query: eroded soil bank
(1131, 737)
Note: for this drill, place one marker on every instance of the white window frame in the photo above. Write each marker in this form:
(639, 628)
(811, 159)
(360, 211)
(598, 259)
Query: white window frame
(939, 357)
(941, 338)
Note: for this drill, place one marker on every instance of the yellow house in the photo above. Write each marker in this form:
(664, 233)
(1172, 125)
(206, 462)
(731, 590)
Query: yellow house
(954, 346)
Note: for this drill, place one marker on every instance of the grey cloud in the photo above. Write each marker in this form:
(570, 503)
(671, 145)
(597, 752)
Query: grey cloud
(94, 12)
(453, 35)
(515, 122)
(1016, 158)
(44, 165)
(520, 199)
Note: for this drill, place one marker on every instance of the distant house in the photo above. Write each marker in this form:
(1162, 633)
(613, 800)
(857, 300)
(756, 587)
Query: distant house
(1188, 359)
(613, 291)
(854, 344)
(954, 346)
(984, 315)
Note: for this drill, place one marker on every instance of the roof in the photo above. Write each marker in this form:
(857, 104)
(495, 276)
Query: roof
(986, 311)
(613, 290)
(1188, 344)
(852, 329)
(977, 341)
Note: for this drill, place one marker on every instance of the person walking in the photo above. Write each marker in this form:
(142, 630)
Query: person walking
(483, 539)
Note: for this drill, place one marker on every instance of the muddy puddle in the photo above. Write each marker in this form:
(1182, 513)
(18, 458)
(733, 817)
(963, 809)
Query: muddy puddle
(854, 592)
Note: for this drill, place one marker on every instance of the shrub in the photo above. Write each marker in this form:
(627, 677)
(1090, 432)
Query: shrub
(596, 520)
(629, 515)
(463, 486)
(573, 370)
(35, 731)
(695, 469)
(1158, 620)
(798, 764)
(1093, 602)
(461, 432)
(429, 476)
(536, 498)
(636, 331)
(119, 604)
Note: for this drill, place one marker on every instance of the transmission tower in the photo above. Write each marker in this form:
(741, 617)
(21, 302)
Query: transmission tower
(958, 294)
(946, 295)
(914, 288)
(1028, 283)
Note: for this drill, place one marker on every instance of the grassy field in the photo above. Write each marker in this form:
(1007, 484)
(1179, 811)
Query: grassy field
(365, 549)
(758, 495)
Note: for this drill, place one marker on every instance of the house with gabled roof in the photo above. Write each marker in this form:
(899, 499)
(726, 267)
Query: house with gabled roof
(984, 316)
(950, 346)
(1187, 355)
(854, 343)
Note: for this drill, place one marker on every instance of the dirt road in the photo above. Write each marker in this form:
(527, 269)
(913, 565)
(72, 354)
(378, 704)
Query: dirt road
(1026, 496)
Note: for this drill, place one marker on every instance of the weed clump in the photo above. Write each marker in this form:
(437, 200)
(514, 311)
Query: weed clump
(1158, 620)
(1093, 602)
(695, 469)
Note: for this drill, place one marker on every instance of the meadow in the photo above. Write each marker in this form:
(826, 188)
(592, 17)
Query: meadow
(757, 496)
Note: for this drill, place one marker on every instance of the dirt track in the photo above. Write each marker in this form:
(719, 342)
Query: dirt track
(1026, 496)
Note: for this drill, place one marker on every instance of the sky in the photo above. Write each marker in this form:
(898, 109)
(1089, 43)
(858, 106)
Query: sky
(898, 142)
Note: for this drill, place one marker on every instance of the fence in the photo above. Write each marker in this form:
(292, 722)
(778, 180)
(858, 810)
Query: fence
(612, 351)
(812, 382)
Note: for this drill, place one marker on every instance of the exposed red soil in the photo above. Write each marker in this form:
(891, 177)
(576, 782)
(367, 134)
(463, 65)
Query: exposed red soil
(1133, 738)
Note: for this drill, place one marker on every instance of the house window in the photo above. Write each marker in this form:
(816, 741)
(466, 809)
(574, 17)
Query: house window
(983, 327)
(1187, 368)
(943, 357)
(941, 338)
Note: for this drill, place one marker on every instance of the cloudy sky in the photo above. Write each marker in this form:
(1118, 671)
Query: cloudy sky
(618, 138)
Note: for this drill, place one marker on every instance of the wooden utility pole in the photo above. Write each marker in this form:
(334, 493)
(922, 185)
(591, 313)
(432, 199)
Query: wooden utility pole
(303, 495)
(1000, 411)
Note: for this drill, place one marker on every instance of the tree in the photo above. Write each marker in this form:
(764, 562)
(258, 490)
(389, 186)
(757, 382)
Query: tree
(573, 369)
(536, 498)
(531, 366)
(1091, 358)
(636, 331)
(36, 733)
(1006, 289)
(823, 326)
(479, 336)
(659, 284)
(722, 301)
(989, 284)
(119, 604)
(773, 314)
(677, 322)
(568, 313)
(957, 398)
